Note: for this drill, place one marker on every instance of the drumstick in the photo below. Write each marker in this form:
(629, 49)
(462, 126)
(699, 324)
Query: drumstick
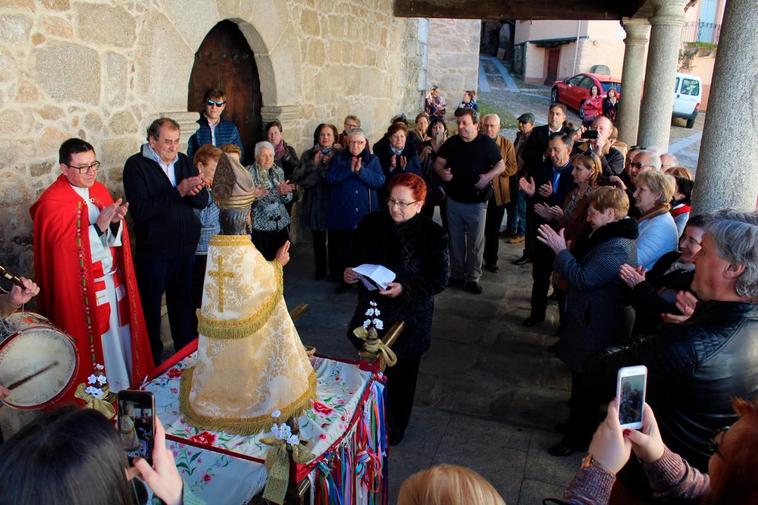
(15, 280)
(26, 379)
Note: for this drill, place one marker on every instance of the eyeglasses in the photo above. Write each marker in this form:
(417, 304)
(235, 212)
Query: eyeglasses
(211, 103)
(402, 205)
(85, 169)
(713, 443)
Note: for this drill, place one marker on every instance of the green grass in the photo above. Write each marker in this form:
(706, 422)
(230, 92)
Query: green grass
(507, 120)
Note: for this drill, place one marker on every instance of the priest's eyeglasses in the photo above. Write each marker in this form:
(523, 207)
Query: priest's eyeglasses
(402, 205)
(85, 169)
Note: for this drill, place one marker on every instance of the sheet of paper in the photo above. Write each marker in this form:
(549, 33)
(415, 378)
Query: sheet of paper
(375, 276)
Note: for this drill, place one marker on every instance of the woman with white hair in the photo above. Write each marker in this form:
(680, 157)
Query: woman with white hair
(658, 233)
(270, 219)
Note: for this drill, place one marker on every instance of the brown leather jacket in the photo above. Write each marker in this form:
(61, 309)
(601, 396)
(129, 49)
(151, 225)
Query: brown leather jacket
(501, 183)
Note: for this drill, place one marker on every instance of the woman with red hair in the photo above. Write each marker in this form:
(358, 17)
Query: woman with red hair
(731, 477)
(415, 249)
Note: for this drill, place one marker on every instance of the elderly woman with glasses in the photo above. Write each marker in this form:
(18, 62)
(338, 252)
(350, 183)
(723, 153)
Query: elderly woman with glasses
(270, 219)
(415, 249)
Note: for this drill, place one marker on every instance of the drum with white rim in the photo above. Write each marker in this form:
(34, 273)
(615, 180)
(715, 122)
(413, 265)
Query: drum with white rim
(28, 345)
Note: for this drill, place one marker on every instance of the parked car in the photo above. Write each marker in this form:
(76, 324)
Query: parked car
(574, 91)
(688, 93)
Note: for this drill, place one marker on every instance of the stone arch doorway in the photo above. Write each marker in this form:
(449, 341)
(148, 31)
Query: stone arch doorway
(225, 60)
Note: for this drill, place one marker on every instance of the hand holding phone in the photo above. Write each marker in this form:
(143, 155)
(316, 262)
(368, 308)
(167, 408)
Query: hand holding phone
(162, 476)
(630, 396)
(136, 423)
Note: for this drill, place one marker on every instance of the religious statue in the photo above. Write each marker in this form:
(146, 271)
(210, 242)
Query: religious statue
(250, 360)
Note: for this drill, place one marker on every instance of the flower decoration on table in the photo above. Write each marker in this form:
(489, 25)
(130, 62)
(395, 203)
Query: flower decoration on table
(96, 393)
(374, 347)
(285, 446)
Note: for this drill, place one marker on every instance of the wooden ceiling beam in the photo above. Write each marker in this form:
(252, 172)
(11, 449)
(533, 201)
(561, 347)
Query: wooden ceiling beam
(518, 9)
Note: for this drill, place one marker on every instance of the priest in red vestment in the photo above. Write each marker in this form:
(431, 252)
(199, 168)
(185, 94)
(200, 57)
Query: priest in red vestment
(83, 264)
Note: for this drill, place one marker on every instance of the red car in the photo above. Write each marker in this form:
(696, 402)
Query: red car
(574, 91)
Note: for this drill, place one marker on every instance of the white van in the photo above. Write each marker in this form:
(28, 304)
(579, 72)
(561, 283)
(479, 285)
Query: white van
(688, 91)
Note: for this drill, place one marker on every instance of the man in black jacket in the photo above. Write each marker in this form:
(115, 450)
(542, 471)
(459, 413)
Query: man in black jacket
(162, 187)
(549, 185)
(534, 157)
(697, 367)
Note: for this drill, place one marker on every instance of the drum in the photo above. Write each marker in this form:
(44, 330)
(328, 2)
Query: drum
(29, 344)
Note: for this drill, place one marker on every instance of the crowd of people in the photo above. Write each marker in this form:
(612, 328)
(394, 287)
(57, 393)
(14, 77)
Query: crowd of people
(607, 226)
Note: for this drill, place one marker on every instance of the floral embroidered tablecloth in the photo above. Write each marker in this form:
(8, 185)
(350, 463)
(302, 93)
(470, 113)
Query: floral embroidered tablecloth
(225, 468)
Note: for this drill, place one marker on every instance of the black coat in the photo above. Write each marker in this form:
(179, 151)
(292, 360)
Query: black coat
(596, 312)
(656, 294)
(164, 222)
(416, 251)
(695, 369)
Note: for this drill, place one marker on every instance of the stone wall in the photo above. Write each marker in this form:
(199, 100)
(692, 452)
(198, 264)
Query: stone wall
(453, 62)
(104, 70)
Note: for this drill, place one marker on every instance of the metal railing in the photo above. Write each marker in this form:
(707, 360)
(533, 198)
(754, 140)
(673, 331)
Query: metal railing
(698, 31)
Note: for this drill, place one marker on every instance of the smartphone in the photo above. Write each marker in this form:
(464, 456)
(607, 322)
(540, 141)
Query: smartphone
(630, 395)
(136, 423)
(589, 134)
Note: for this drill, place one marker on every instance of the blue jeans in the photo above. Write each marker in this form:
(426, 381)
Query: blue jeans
(516, 221)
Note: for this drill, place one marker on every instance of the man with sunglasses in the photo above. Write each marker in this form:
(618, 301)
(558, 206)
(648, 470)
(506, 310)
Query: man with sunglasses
(83, 264)
(213, 129)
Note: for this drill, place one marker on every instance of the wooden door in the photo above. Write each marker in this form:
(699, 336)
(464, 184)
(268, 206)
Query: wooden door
(225, 60)
(553, 58)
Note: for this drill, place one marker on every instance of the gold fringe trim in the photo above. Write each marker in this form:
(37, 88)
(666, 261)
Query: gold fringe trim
(242, 328)
(241, 426)
(230, 240)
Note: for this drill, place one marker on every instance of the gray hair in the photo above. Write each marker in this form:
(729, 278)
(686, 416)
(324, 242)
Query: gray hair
(487, 116)
(736, 237)
(652, 157)
(263, 144)
(673, 159)
(356, 131)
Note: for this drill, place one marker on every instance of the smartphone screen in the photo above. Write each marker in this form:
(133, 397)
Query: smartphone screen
(136, 423)
(631, 396)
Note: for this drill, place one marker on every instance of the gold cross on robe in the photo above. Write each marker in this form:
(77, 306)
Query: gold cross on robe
(221, 276)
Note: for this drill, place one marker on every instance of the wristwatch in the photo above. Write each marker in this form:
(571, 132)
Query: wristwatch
(589, 461)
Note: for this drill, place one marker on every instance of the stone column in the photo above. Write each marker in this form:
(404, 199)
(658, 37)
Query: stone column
(635, 53)
(662, 63)
(727, 173)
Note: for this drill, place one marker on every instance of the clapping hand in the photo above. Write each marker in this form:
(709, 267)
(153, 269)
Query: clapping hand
(543, 210)
(4, 393)
(113, 213)
(318, 157)
(632, 276)
(259, 192)
(19, 295)
(686, 303)
(190, 186)
(546, 190)
(548, 236)
(163, 477)
(285, 188)
(355, 166)
(527, 186)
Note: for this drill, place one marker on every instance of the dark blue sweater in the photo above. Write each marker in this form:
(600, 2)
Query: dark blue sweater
(164, 222)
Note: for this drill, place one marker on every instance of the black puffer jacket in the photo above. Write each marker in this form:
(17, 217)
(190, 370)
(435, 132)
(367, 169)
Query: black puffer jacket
(416, 251)
(694, 371)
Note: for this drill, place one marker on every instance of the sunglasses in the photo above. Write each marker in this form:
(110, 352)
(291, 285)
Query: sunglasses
(715, 442)
(214, 102)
